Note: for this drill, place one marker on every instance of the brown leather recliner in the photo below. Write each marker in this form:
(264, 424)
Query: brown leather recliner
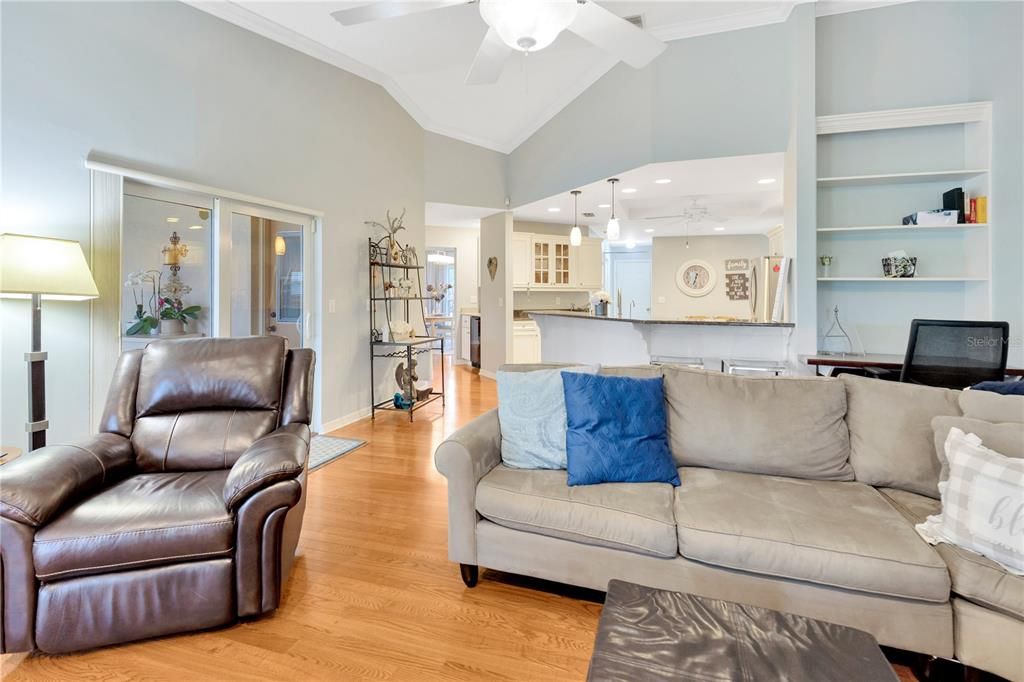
(182, 513)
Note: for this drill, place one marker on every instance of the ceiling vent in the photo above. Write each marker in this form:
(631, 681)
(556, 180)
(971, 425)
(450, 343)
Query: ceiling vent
(637, 21)
(588, 214)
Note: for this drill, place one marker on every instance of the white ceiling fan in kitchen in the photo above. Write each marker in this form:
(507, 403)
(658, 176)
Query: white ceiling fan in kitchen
(527, 26)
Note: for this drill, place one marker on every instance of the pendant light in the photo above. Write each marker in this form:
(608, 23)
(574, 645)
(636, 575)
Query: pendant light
(613, 222)
(576, 235)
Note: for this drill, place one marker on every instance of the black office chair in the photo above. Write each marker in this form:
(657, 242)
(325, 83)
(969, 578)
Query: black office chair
(955, 353)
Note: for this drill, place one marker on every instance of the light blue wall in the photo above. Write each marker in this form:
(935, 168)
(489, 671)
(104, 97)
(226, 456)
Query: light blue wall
(173, 90)
(711, 96)
(456, 172)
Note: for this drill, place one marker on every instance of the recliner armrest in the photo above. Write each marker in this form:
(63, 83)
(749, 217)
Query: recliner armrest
(278, 456)
(40, 484)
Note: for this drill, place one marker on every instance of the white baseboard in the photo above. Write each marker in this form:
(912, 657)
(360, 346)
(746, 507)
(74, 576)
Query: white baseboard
(488, 374)
(349, 418)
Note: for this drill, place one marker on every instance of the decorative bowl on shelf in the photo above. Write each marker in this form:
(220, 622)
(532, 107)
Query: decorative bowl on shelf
(401, 331)
(899, 266)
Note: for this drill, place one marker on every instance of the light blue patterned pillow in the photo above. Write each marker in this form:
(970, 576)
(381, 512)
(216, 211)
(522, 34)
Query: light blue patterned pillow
(531, 410)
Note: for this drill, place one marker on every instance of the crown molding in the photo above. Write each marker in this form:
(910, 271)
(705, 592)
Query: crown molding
(904, 118)
(826, 8)
(772, 14)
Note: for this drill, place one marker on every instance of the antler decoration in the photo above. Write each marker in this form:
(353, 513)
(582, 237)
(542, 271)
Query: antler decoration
(394, 224)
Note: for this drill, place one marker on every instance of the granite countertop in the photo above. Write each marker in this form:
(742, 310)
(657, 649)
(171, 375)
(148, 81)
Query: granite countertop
(712, 323)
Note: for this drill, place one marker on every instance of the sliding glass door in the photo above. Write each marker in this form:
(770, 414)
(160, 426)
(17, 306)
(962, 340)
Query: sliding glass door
(264, 261)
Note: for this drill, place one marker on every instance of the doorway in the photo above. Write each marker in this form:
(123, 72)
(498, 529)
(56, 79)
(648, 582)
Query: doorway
(629, 271)
(440, 294)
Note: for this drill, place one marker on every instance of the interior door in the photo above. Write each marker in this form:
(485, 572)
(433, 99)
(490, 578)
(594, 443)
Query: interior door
(265, 264)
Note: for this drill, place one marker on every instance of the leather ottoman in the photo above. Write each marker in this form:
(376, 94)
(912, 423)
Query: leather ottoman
(649, 634)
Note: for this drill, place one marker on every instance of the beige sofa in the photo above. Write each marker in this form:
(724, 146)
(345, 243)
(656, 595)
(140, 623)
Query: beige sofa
(797, 494)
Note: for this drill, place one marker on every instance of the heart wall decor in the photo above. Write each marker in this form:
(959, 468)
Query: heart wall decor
(492, 266)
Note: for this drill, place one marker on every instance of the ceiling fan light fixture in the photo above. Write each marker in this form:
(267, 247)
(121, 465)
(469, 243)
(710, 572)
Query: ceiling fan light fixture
(528, 25)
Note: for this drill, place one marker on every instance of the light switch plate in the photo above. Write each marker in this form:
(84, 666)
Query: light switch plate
(332, 308)
(661, 299)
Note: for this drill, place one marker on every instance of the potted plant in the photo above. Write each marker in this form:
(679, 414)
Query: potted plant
(174, 316)
(600, 300)
(146, 320)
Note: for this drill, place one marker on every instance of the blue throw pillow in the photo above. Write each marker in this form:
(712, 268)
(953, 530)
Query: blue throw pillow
(531, 411)
(616, 430)
(1001, 387)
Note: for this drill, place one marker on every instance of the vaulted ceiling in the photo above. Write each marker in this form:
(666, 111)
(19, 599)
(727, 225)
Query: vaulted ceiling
(422, 59)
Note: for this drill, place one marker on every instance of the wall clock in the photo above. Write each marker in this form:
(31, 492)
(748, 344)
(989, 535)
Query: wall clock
(696, 278)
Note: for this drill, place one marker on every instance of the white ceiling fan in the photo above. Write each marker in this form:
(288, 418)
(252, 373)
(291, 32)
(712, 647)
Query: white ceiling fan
(527, 26)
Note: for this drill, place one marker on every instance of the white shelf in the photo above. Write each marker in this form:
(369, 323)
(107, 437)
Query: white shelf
(901, 178)
(900, 228)
(903, 279)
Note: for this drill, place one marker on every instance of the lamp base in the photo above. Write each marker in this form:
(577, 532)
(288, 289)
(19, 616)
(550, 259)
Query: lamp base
(37, 423)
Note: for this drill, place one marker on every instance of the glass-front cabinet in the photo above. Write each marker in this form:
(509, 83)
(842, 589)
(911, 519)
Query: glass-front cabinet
(541, 262)
(561, 269)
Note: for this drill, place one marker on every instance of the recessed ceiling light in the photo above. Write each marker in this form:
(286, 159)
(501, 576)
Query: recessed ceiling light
(604, 205)
(719, 229)
(172, 220)
(629, 190)
(662, 181)
(554, 210)
(766, 181)
(649, 230)
(195, 227)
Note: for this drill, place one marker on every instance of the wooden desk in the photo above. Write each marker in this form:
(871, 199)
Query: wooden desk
(880, 360)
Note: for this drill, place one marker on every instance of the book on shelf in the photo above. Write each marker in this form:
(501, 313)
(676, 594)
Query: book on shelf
(953, 200)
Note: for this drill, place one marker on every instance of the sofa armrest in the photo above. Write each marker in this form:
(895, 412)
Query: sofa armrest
(464, 458)
(278, 456)
(41, 484)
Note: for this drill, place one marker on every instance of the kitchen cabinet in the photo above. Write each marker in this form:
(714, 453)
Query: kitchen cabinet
(588, 265)
(522, 253)
(525, 342)
(541, 261)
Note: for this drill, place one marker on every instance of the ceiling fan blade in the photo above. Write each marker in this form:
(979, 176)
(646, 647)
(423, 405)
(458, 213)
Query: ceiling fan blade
(615, 35)
(489, 61)
(387, 10)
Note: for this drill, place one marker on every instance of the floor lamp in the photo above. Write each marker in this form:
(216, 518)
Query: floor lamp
(38, 268)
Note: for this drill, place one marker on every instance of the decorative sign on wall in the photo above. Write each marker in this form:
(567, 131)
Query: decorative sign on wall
(737, 286)
(737, 264)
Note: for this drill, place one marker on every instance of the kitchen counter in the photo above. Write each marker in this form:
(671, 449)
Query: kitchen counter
(575, 337)
(710, 322)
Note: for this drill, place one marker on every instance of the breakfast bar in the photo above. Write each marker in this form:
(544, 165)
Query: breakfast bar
(589, 339)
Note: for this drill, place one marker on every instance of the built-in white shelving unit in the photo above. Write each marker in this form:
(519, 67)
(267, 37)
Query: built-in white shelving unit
(901, 178)
(901, 228)
(873, 169)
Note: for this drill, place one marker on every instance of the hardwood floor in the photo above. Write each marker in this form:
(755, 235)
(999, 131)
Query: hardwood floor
(373, 595)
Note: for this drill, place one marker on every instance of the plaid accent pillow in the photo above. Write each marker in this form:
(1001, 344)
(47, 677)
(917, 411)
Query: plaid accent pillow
(982, 503)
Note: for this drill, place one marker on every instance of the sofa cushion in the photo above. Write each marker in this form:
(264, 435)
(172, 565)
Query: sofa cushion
(891, 441)
(632, 516)
(145, 520)
(831, 533)
(1006, 438)
(974, 577)
(992, 407)
(785, 426)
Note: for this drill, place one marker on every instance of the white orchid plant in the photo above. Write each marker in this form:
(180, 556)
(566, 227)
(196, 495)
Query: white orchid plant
(147, 311)
(600, 296)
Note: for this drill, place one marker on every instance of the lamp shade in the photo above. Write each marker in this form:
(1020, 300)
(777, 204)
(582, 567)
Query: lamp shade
(53, 268)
